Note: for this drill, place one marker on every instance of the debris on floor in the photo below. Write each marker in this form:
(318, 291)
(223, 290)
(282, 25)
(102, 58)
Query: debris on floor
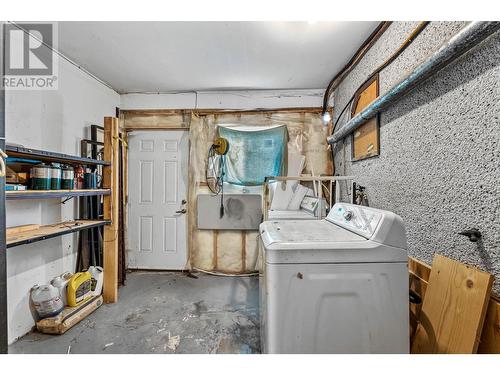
(173, 342)
(211, 314)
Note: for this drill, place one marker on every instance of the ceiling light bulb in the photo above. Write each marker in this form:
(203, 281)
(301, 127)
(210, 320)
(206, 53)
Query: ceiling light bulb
(326, 118)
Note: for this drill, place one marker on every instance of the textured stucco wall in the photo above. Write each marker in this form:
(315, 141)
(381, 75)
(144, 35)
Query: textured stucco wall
(439, 163)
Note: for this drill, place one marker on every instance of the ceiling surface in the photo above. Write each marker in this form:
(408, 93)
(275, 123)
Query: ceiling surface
(207, 56)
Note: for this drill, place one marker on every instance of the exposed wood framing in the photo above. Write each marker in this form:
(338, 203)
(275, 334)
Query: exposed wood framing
(158, 119)
(201, 112)
(110, 181)
(124, 164)
(489, 341)
(124, 195)
(243, 250)
(180, 119)
(215, 240)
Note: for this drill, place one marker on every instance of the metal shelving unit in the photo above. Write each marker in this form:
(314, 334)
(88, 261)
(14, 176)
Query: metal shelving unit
(48, 194)
(3, 252)
(44, 232)
(53, 230)
(49, 156)
(27, 234)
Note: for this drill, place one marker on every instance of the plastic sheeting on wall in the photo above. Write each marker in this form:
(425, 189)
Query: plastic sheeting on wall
(235, 252)
(254, 154)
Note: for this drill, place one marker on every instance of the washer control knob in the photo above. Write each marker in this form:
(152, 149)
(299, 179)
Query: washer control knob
(348, 215)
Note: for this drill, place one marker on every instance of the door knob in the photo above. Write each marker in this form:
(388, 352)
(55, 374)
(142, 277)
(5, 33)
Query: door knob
(183, 211)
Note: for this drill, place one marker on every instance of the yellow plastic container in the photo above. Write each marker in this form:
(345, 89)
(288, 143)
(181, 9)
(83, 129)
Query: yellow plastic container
(79, 288)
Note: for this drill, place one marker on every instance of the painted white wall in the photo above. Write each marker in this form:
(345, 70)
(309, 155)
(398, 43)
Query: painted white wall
(55, 121)
(251, 99)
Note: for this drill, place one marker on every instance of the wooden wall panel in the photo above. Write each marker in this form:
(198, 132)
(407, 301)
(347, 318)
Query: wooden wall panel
(366, 138)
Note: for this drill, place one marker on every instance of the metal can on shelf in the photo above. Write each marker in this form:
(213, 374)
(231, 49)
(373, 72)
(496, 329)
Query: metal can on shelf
(40, 177)
(89, 180)
(67, 177)
(55, 177)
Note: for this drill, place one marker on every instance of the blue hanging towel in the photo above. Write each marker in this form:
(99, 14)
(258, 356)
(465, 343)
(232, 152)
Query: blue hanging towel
(254, 154)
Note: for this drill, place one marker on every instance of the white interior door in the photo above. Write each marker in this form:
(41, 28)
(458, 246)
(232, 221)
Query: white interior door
(157, 180)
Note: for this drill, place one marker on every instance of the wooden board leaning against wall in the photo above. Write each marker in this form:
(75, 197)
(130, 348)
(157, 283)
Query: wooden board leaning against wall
(231, 252)
(489, 339)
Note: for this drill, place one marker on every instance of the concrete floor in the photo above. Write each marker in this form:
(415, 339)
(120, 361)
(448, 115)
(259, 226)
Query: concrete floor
(211, 314)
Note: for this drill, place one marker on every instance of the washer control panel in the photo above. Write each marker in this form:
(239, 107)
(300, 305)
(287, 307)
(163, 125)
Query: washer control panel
(359, 219)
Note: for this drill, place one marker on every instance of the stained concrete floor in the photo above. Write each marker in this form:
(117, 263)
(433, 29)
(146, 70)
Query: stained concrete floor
(211, 314)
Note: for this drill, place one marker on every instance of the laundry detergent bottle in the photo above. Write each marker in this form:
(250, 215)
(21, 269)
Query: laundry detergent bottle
(79, 288)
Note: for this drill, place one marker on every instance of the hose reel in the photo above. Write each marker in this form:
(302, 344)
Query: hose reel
(214, 173)
(221, 146)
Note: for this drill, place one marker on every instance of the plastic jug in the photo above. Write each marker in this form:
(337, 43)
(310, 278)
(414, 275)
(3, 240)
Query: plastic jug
(97, 279)
(61, 283)
(79, 288)
(46, 300)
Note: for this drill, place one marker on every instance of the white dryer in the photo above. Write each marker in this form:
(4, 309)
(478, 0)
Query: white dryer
(338, 285)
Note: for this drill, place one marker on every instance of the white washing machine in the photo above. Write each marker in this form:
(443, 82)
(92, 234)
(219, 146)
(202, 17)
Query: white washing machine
(338, 285)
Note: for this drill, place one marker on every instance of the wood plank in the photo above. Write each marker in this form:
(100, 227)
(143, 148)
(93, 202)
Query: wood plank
(215, 234)
(419, 286)
(208, 111)
(419, 268)
(419, 276)
(69, 317)
(36, 233)
(124, 201)
(180, 119)
(243, 250)
(365, 138)
(454, 308)
(490, 337)
(366, 95)
(12, 231)
(110, 211)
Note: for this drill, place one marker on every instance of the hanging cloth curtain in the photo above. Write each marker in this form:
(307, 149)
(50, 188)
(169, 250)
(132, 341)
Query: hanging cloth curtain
(254, 154)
